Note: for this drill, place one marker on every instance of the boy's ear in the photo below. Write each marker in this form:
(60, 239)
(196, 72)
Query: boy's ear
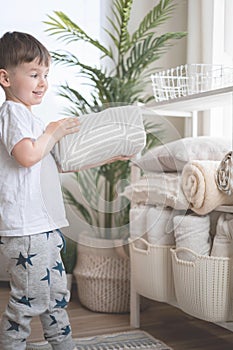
(4, 78)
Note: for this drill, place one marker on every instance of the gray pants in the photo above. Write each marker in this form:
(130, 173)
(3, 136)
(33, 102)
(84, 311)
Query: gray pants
(38, 288)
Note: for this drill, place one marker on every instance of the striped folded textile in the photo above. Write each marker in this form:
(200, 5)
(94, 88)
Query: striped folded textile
(104, 136)
(224, 174)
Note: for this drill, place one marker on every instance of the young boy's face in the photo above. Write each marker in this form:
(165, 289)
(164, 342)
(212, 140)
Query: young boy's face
(27, 83)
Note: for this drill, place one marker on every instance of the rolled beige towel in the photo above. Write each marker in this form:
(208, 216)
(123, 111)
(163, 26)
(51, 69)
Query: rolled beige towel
(200, 188)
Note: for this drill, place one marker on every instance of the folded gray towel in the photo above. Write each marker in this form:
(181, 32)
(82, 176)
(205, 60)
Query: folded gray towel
(223, 239)
(192, 231)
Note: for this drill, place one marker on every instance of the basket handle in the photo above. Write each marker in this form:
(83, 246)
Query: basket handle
(140, 250)
(187, 250)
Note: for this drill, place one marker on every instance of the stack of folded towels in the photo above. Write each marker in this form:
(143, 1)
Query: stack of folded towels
(185, 174)
(168, 227)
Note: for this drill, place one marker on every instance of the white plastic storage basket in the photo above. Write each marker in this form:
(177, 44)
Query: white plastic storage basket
(190, 79)
(151, 269)
(203, 286)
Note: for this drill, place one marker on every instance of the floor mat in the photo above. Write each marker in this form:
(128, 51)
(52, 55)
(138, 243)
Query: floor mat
(125, 340)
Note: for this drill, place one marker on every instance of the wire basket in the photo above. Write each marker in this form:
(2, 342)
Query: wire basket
(190, 79)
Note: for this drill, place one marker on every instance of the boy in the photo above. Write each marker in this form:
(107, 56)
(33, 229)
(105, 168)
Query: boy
(31, 209)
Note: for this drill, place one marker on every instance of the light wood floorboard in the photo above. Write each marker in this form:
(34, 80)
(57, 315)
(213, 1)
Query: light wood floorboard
(167, 323)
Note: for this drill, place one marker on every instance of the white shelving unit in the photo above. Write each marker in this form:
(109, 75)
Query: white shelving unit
(187, 106)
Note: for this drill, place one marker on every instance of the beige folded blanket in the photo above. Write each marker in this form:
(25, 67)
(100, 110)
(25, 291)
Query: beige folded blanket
(158, 189)
(200, 188)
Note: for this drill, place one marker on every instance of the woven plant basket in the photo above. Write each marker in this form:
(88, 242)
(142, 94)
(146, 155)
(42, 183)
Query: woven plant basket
(102, 274)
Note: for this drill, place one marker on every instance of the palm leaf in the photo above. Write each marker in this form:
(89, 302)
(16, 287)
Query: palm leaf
(82, 105)
(70, 199)
(146, 52)
(158, 15)
(70, 31)
(123, 10)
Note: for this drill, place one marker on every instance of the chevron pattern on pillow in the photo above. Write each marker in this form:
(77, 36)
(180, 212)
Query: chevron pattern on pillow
(103, 136)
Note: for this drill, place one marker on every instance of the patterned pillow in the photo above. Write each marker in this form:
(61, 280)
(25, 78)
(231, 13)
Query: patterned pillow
(103, 136)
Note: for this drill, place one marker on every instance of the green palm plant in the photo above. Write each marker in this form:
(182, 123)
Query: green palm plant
(132, 58)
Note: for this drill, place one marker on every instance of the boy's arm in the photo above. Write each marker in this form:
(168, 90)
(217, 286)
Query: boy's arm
(28, 152)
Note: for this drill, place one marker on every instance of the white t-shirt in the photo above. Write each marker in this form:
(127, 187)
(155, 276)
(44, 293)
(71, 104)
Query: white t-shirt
(30, 198)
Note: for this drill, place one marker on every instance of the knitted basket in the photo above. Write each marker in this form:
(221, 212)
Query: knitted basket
(103, 278)
(203, 286)
(151, 269)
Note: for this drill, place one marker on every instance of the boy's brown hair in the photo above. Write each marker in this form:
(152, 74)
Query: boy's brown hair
(17, 48)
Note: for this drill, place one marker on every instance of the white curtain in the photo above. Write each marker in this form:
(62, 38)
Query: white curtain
(210, 30)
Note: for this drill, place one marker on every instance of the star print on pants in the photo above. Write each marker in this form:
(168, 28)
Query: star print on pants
(48, 234)
(61, 303)
(59, 267)
(66, 330)
(22, 260)
(54, 321)
(47, 277)
(14, 326)
(25, 301)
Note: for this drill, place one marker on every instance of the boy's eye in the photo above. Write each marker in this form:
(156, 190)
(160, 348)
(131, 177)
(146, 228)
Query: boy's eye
(33, 75)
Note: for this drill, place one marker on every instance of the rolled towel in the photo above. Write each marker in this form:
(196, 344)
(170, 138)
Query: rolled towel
(192, 232)
(200, 188)
(223, 239)
(224, 174)
(160, 226)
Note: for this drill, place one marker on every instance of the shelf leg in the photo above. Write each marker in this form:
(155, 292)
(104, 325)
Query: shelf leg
(134, 306)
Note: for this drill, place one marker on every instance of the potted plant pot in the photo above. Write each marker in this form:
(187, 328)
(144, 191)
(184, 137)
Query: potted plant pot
(102, 273)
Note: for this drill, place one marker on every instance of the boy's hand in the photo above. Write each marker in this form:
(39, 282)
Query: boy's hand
(62, 127)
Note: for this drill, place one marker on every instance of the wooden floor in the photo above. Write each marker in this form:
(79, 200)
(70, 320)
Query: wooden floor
(177, 329)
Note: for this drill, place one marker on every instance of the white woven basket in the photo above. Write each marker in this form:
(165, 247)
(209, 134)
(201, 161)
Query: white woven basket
(203, 286)
(103, 283)
(190, 79)
(151, 267)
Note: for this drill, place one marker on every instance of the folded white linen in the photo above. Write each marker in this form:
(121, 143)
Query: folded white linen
(137, 220)
(103, 136)
(200, 188)
(223, 239)
(158, 189)
(224, 174)
(159, 223)
(192, 232)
